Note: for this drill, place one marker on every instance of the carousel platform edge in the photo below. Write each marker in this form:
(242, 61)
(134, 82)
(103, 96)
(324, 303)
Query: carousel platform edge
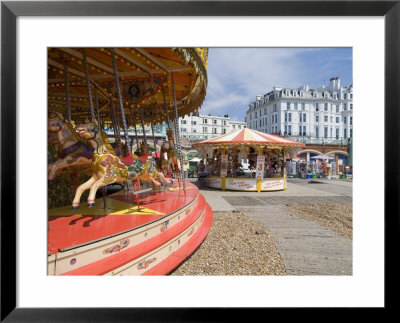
(153, 249)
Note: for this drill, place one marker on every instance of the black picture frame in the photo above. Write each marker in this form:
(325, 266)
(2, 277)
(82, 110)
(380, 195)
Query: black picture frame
(10, 10)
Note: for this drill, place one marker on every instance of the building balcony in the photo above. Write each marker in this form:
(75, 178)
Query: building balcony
(315, 140)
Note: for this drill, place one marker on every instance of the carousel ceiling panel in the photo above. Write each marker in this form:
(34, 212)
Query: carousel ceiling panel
(145, 77)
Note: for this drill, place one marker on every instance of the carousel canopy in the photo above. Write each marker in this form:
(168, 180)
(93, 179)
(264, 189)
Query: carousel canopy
(323, 157)
(148, 78)
(249, 137)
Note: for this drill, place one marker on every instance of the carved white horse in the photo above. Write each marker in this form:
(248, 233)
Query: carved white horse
(108, 168)
(72, 149)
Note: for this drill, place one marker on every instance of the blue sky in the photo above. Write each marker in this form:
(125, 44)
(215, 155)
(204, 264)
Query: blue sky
(237, 75)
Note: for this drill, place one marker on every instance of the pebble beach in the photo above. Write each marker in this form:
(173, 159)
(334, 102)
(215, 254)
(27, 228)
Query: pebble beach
(238, 245)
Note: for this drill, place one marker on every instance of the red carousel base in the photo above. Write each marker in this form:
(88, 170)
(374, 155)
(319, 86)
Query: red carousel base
(122, 240)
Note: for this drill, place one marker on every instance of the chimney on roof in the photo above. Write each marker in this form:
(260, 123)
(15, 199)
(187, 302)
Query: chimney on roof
(334, 84)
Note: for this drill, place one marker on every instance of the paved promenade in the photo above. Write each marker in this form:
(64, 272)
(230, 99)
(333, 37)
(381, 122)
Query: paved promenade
(306, 247)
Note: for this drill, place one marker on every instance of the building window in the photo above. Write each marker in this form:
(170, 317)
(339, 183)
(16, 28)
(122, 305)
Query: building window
(205, 130)
(344, 120)
(337, 108)
(288, 106)
(205, 120)
(304, 117)
(215, 121)
(337, 119)
(224, 131)
(345, 133)
(274, 107)
(288, 117)
(183, 129)
(326, 107)
(345, 106)
(316, 132)
(303, 106)
(351, 121)
(261, 122)
(233, 126)
(300, 117)
(296, 105)
(239, 127)
(331, 119)
(351, 106)
(337, 133)
(214, 130)
(266, 120)
(194, 123)
(316, 107)
(194, 130)
(289, 130)
(325, 118)
(316, 119)
(183, 121)
(325, 132)
(351, 133)
(304, 130)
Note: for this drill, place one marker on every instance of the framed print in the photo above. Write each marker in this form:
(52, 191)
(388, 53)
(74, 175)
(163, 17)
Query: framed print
(187, 23)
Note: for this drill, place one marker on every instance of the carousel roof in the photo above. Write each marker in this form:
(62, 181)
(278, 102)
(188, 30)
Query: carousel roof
(145, 77)
(250, 136)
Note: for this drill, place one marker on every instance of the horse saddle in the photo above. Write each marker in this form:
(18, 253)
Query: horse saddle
(129, 159)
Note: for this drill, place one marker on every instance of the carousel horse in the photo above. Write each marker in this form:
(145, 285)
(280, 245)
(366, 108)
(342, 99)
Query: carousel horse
(163, 160)
(70, 148)
(173, 159)
(108, 168)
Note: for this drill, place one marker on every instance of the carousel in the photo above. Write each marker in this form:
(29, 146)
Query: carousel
(247, 160)
(114, 209)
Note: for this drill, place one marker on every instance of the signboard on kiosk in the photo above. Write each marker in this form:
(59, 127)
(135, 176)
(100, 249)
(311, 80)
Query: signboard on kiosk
(260, 167)
(224, 166)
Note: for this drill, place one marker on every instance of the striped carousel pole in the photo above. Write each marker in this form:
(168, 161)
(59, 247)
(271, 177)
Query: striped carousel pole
(74, 175)
(177, 137)
(121, 105)
(154, 138)
(114, 122)
(89, 89)
(134, 126)
(96, 99)
(166, 108)
(143, 129)
(67, 93)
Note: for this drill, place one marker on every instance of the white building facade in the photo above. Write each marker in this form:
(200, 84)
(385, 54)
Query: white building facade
(308, 115)
(202, 127)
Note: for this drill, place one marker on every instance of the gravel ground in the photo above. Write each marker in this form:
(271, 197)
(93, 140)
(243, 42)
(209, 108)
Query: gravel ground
(336, 217)
(238, 245)
(235, 245)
